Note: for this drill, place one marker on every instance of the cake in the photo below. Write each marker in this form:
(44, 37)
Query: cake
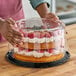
(40, 45)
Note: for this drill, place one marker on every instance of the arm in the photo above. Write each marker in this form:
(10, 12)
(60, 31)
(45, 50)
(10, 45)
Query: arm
(43, 9)
(44, 12)
(41, 6)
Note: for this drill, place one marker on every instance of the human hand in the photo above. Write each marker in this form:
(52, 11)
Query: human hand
(53, 18)
(6, 29)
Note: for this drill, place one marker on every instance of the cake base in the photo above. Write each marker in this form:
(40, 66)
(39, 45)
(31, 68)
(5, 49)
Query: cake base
(9, 57)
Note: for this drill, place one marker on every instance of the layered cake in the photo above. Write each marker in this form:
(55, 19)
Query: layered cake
(40, 46)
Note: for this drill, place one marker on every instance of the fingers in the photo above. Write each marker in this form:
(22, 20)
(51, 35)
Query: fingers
(10, 21)
(52, 16)
(12, 36)
(11, 31)
(12, 40)
(15, 34)
(1, 21)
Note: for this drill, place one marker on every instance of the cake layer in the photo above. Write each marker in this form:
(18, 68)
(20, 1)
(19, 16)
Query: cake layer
(28, 45)
(38, 60)
(38, 53)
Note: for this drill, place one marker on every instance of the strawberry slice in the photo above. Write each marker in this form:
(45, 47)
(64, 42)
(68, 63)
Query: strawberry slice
(42, 34)
(31, 35)
(51, 34)
(29, 50)
(25, 34)
(41, 51)
(50, 50)
(21, 49)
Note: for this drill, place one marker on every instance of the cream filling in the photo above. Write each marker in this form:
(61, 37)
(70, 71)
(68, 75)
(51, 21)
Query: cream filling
(42, 40)
(35, 53)
(38, 40)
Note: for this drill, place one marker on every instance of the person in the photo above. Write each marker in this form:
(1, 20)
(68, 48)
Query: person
(13, 9)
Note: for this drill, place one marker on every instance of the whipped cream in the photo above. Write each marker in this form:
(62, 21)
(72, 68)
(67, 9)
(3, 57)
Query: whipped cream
(16, 50)
(47, 54)
(38, 40)
(37, 54)
(21, 52)
(28, 53)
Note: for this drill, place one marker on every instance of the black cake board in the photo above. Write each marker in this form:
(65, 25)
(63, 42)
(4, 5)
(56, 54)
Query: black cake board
(9, 57)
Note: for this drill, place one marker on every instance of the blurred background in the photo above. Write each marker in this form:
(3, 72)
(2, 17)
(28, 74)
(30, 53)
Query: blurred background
(65, 9)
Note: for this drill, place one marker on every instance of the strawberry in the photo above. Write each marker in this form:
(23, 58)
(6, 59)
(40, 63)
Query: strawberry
(41, 51)
(50, 50)
(25, 34)
(47, 34)
(31, 35)
(20, 49)
(51, 34)
(29, 50)
(42, 34)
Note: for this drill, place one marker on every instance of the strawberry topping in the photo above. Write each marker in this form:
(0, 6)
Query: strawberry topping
(42, 34)
(50, 50)
(28, 50)
(41, 51)
(31, 35)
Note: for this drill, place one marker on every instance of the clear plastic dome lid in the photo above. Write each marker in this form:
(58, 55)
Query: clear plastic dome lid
(40, 37)
(39, 24)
